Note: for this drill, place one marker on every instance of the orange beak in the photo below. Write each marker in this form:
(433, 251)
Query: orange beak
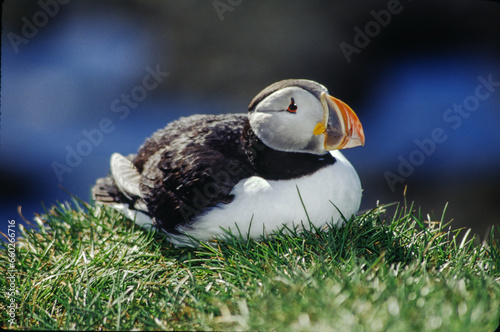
(340, 125)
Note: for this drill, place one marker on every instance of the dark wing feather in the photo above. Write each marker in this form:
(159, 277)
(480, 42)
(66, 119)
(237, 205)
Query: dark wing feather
(190, 165)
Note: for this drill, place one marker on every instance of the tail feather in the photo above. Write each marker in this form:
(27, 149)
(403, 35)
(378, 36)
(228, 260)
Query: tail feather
(106, 191)
(120, 191)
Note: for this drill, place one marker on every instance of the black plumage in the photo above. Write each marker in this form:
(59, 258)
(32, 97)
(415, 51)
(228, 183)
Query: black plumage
(190, 165)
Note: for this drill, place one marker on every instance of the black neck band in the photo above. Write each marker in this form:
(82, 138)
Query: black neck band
(278, 165)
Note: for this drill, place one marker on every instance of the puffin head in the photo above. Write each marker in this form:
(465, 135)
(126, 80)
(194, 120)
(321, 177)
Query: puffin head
(300, 116)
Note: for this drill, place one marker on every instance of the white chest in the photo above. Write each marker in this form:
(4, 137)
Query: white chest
(262, 206)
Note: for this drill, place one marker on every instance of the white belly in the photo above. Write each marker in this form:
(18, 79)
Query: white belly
(262, 206)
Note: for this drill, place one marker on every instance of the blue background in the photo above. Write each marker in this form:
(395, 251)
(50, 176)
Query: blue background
(65, 78)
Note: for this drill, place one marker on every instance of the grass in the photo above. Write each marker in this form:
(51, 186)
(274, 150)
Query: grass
(84, 269)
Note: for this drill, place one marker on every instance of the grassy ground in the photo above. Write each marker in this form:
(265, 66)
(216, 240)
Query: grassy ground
(90, 270)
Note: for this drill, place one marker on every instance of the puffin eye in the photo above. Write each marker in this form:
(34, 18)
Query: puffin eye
(292, 108)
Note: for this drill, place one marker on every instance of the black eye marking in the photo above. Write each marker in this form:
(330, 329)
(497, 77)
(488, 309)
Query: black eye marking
(292, 108)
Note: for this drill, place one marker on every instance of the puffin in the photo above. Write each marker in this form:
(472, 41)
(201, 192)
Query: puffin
(277, 166)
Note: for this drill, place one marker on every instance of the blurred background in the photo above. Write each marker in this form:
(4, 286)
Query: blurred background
(83, 79)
